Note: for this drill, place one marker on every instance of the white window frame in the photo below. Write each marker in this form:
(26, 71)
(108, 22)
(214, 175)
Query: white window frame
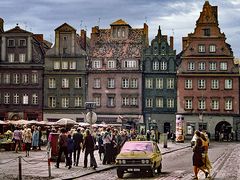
(25, 78)
(212, 48)
(65, 83)
(215, 104)
(214, 84)
(223, 66)
(228, 104)
(163, 65)
(188, 103)
(78, 101)
(11, 57)
(149, 83)
(22, 58)
(201, 84)
(65, 102)
(125, 83)
(22, 44)
(130, 64)
(110, 101)
(125, 101)
(133, 101)
(159, 102)
(97, 83)
(111, 64)
(16, 78)
(51, 83)
(78, 82)
(228, 84)
(97, 64)
(111, 83)
(56, 65)
(72, 65)
(159, 83)
(16, 99)
(155, 65)
(212, 66)
(6, 98)
(191, 66)
(97, 99)
(13, 43)
(188, 84)
(201, 48)
(34, 98)
(25, 99)
(170, 103)
(149, 102)
(64, 65)
(35, 79)
(170, 83)
(202, 66)
(52, 102)
(134, 83)
(201, 104)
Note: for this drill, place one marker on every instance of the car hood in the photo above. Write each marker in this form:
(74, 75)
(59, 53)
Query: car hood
(135, 155)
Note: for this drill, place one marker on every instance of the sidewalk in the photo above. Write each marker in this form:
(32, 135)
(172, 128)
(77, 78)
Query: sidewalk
(36, 166)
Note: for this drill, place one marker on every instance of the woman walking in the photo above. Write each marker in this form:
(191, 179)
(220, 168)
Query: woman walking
(27, 139)
(17, 137)
(35, 138)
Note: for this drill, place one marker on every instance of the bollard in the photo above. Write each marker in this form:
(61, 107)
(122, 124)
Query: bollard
(165, 140)
(20, 168)
(49, 165)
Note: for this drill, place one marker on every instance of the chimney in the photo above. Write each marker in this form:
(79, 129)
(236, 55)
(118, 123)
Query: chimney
(83, 39)
(39, 37)
(1, 25)
(171, 42)
(94, 36)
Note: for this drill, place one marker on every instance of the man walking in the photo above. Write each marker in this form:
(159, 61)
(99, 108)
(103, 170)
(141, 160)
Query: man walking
(77, 141)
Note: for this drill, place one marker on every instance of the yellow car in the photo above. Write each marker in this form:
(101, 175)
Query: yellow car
(139, 156)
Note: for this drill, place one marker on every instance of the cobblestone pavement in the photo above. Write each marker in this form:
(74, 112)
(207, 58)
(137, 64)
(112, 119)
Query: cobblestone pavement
(36, 166)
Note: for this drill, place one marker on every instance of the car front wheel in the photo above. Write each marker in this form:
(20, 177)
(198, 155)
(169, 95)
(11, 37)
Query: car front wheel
(159, 169)
(120, 173)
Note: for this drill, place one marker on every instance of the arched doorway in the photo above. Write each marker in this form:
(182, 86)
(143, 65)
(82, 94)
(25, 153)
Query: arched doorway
(223, 128)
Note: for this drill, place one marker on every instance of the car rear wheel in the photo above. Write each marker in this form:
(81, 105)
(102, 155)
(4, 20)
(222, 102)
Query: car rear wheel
(159, 169)
(120, 173)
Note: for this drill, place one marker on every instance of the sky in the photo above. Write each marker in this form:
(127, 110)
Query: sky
(175, 17)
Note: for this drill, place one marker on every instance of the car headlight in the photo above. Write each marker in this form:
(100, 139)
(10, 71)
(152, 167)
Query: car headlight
(124, 161)
(143, 161)
(147, 161)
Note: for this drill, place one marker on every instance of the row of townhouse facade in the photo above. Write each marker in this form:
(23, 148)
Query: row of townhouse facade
(132, 83)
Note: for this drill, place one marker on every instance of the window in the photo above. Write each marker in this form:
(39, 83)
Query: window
(110, 101)
(170, 83)
(15, 98)
(201, 66)
(228, 83)
(191, 66)
(212, 66)
(34, 99)
(97, 83)
(52, 102)
(6, 78)
(223, 66)
(170, 103)
(188, 104)
(52, 83)
(11, 57)
(34, 78)
(72, 65)
(11, 42)
(97, 99)
(22, 42)
(16, 78)
(6, 98)
(214, 84)
(111, 64)
(149, 102)
(215, 104)
(201, 104)
(201, 84)
(159, 102)
(64, 65)
(56, 65)
(130, 64)
(188, 84)
(125, 83)
(159, 83)
(22, 58)
(228, 104)
(25, 99)
(133, 101)
(125, 101)
(155, 65)
(212, 48)
(78, 101)
(201, 48)
(149, 83)
(163, 65)
(25, 79)
(65, 102)
(65, 83)
(134, 83)
(96, 64)
(78, 82)
(206, 32)
(111, 83)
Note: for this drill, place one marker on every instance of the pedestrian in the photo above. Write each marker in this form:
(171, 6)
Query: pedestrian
(148, 135)
(107, 139)
(17, 137)
(62, 143)
(70, 147)
(100, 145)
(40, 138)
(27, 139)
(35, 138)
(197, 158)
(88, 146)
(77, 141)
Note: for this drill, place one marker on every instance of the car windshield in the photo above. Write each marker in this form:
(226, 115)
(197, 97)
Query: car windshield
(137, 146)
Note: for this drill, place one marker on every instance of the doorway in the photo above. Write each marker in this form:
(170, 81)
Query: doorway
(223, 131)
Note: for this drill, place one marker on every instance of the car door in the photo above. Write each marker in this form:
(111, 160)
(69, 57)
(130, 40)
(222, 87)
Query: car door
(158, 155)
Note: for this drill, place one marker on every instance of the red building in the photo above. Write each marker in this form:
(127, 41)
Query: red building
(208, 81)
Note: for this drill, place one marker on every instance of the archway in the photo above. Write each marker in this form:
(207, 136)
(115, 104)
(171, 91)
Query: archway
(223, 128)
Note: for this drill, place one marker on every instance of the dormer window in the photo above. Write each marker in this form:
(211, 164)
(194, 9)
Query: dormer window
(22, 42)
(130, 64)
(97, 64)
(206, 32)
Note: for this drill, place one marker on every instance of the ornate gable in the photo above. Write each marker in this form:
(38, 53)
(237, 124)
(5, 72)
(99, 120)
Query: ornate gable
(17, 29)
(65, 28)
(208, 15)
